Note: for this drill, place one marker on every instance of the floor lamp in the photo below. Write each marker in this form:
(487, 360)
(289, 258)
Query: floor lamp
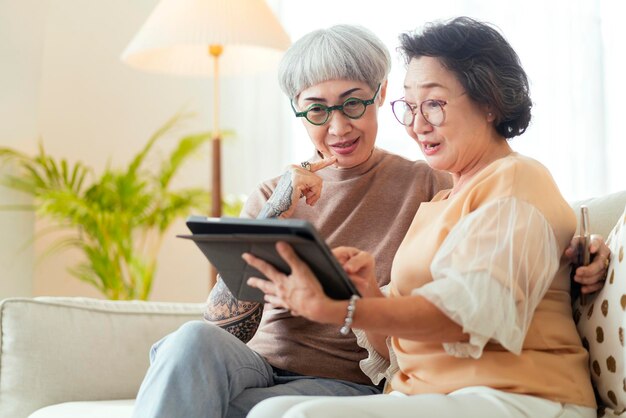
(196, 38)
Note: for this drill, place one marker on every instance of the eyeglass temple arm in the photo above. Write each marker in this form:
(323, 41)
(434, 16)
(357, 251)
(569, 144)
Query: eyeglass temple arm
(298, 114)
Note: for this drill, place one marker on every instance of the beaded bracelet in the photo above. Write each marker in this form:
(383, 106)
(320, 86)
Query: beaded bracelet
(347, 323)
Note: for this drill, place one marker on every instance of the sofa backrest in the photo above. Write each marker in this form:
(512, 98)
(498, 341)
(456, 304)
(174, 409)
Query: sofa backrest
(56, 350)
(603, 211)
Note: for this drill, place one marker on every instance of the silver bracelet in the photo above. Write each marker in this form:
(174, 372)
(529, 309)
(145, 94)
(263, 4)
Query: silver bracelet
(347, 323)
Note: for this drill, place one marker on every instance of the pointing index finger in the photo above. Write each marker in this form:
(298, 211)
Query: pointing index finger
(323, 163)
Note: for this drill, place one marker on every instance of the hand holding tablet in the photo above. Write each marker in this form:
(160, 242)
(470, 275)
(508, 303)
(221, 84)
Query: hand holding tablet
(224, 240)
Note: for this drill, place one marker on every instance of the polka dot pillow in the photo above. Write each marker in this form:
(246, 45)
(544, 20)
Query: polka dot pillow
(601, 323)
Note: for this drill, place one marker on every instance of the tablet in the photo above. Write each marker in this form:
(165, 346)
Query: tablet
(223, 240)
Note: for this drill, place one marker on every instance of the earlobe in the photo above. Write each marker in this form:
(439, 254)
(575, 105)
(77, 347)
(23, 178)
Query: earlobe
(490, 114)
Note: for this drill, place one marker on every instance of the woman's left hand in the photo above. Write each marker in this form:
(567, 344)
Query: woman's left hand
(300, 292)
(591, 277)
(359, 265)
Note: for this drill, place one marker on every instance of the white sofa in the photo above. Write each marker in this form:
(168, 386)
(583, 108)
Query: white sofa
(77, 357)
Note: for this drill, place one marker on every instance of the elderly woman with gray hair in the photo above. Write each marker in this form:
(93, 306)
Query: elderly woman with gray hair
(336, 82)
(353, 193)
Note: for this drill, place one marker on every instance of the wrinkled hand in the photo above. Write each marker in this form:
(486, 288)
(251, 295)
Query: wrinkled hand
(591, 277)
(306, 183)
(300, 292)
(360, 267)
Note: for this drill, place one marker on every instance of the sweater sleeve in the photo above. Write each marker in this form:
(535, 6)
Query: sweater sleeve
(491, 272)
(256, 200)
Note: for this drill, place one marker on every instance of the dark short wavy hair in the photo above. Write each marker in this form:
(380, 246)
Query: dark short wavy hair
(483, 62)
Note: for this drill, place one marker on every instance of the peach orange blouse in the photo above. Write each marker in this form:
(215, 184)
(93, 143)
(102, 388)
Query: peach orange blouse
(489, 257)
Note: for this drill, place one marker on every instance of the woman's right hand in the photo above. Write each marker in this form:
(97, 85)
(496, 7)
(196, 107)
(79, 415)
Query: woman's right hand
(305, 183)
(360, 267)
(296, 183)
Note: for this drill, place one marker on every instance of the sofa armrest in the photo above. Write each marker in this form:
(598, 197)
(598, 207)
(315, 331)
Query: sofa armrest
(56, 350)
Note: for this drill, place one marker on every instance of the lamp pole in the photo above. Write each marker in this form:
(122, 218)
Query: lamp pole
(216, 168)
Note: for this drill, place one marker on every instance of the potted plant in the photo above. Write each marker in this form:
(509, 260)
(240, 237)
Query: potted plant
(117, 219)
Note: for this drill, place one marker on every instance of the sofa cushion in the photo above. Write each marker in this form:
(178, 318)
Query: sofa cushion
(56, 350)
(601, 323)
(98, 409)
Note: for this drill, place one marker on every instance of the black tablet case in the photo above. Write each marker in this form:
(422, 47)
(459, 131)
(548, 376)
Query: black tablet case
(223, 240)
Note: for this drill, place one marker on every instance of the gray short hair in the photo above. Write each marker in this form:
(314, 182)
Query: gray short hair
(346, 52)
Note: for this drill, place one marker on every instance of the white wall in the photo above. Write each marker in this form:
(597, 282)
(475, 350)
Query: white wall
(16, 251)
(614, 39)
(65, 83)
(20, 74)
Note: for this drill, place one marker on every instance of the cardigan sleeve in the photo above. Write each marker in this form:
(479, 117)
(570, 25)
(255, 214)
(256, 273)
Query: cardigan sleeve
(491, 272)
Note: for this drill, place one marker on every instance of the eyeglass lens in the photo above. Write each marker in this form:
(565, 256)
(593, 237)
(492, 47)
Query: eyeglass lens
(319, 114)
(432, 110)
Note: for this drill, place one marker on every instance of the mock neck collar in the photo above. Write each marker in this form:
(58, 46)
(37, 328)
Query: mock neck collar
(338, 174)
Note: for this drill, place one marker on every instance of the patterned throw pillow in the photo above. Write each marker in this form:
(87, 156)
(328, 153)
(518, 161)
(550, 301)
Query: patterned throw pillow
(601, 323)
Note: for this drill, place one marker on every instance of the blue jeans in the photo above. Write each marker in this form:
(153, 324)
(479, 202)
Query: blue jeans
(200, 370)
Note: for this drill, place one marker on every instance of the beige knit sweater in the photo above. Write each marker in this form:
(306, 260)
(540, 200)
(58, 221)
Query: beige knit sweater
(370, 207)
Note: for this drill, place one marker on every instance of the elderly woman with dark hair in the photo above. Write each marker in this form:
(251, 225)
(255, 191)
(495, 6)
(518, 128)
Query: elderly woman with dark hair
(477, 321)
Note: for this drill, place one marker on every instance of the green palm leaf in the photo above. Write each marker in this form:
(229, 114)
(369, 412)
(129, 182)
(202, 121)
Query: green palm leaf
(116, 220)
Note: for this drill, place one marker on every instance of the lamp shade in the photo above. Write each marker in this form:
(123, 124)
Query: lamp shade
(176, 37)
